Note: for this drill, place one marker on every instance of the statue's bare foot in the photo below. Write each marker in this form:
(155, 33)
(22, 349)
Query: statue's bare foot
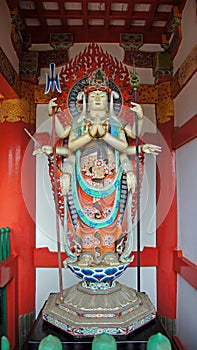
(86, 259)
(111, 259)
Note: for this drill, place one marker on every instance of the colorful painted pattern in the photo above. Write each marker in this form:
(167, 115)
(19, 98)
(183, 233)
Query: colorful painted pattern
(98, 278)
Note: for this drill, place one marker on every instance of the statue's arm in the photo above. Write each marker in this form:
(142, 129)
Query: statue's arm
(120, 144)
(146, 148)
(75, 142)
(60, 130)
(131, 130)
(67, 171)
(128, 169)
(48, 150)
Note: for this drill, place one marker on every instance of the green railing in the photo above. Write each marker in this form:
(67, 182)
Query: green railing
(5, 345)
(4, 253)
(4, 243)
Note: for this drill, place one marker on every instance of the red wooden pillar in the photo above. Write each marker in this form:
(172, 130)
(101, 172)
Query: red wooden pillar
(166, 223)
(16, 176)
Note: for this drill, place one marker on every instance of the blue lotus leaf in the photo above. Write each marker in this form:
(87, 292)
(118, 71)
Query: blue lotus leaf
(98, 276)
(111, 270)
(87, 272)
(98, 270)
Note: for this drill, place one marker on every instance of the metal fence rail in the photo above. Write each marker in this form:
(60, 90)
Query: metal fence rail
(4, 253)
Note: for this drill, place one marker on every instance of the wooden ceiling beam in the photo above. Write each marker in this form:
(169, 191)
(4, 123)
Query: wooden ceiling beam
(97, 34)
(96, 14)
(129, 15)
(107, 15)
(62, 15)
(85, 14)
(39, 10)
(87, 32)
(152, 12)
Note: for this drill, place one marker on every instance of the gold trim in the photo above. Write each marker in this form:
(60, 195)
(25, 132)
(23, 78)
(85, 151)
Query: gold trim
(188, 67)
(15, 110)
(39, 96)
(165, 105)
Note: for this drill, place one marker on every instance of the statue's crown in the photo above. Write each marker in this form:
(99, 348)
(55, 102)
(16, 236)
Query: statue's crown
(98, 80)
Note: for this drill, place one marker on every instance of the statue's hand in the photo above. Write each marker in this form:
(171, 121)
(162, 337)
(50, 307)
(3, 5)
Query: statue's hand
(149, 148)
(101, 130)
(93, 130)
(52, 106)
(131, 181)
(137, 109)
(44, 150)
(65, 184)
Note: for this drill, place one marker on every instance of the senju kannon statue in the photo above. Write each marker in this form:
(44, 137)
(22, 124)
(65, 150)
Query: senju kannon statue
(98, 172)
(97, 181)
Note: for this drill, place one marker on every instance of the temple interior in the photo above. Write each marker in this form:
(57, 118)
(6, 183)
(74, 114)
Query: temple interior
(155, 39)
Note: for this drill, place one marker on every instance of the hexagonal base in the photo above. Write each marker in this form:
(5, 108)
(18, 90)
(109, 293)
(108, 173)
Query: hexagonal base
(118, 311)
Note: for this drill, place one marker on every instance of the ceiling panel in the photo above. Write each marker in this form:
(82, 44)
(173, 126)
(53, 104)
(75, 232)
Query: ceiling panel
(92, 20)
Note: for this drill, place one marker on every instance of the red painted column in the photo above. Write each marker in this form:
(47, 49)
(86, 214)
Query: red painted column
(166, 223)
(18, 177)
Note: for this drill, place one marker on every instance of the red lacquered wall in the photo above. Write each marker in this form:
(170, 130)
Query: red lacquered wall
(13, 210)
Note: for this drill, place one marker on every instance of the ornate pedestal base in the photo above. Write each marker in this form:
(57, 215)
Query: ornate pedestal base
(118, 310)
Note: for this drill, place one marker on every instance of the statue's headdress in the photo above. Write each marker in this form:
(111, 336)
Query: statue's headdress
(97, 80)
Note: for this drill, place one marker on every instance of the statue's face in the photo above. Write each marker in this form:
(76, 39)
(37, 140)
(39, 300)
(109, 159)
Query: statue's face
(98, 101)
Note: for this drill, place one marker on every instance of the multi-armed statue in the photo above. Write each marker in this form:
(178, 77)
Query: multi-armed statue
(97, 183)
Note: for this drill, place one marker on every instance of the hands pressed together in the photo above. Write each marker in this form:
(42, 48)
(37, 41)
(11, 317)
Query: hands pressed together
(96, 130)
